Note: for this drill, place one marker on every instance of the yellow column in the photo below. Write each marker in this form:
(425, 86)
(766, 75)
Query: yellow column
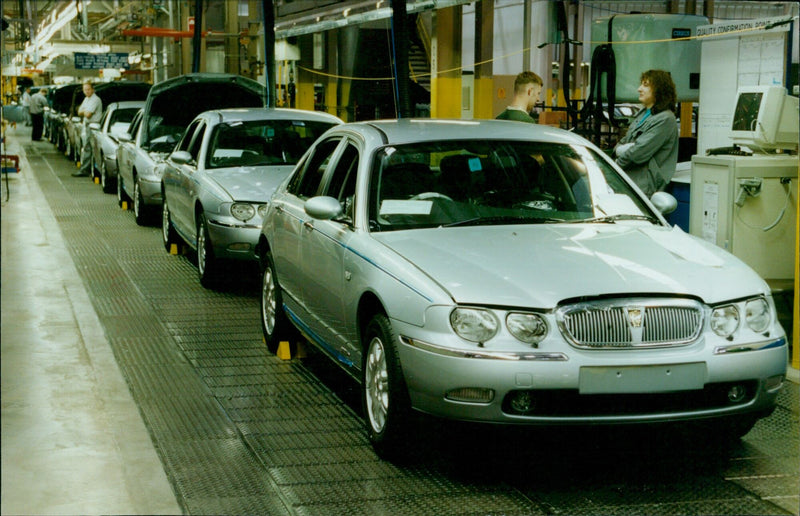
(446, 65)
(305, 79)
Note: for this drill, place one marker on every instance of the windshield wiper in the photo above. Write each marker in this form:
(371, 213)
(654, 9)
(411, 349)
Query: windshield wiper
(610, 219)
(502, 219)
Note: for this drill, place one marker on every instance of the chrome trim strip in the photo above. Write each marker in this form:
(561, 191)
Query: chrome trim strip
(754, 346)
(539, 356)
(235, 226)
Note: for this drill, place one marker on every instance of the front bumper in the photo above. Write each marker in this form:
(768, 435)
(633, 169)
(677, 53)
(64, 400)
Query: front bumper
(589, 387)
(235, 241)
(151, 191)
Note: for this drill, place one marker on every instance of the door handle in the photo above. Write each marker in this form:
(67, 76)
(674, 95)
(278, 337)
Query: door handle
(309, 225)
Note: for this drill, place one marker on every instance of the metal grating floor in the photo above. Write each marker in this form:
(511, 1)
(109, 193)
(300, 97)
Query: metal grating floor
(239, 431)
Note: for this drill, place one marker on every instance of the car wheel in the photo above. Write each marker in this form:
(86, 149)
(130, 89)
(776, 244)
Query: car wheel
(168, 234)
(207, 266)
(274, 323)
(139, 208)
(384, 395)
(106, 182)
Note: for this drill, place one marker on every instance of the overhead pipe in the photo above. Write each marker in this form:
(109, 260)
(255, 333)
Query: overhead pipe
(198, 24)
(269, 51)
(400, 58)
(162, 32)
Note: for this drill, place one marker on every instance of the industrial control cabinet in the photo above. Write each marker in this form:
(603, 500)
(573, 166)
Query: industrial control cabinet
(748, 206)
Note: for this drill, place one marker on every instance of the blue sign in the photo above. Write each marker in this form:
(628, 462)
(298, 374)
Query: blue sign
(87, 61)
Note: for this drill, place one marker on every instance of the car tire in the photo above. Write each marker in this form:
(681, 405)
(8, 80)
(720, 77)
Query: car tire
(140, 209)
(384, 395)
(207, 263)
(105, 181)
(168, 234)
(274, 323)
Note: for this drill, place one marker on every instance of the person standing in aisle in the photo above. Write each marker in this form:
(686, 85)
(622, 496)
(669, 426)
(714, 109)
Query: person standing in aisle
(90, 110)
(648, 153)
(37, 105)
(26, 105)
(527, 88)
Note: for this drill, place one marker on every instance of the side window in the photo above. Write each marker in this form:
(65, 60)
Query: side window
(197, 142)
(137, 121)
(103, 120)
(342, 183)
(306, 183)
(186, 141)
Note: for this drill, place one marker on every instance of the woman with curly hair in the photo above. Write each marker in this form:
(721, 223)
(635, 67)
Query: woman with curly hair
(649, 151)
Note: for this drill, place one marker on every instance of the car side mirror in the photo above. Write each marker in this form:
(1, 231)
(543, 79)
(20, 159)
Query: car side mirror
(95, 126)
(323, 207)
(125, 137)
(664, 202)
(180, 157)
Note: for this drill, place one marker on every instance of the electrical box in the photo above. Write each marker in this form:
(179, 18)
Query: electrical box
(748, 206)
(652, 42)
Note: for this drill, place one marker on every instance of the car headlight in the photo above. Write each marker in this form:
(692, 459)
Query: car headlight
(474, 324)
(530, 328)
(262, 210)
(242, 211)
(757, 314)
(724, 320)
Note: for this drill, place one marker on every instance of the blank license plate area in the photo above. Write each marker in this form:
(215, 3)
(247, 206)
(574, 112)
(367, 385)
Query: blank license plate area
(633, 379)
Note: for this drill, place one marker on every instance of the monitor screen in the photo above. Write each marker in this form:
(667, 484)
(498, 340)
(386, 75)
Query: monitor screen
(746, 113)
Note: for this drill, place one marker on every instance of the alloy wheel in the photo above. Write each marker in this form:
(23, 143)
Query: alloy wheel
(377, 385)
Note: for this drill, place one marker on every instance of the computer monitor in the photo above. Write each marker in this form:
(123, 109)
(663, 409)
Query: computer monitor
(765, 119)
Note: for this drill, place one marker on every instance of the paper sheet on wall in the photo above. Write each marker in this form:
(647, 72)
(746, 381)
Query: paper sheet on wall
(761, 60)
(710, 211)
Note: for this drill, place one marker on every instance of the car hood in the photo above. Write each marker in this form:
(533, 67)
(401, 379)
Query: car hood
(249, 183)
(539, 266)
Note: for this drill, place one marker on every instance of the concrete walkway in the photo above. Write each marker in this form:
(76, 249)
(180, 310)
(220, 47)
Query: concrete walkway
(73, 441)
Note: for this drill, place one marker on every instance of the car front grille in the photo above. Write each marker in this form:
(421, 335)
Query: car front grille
(631, 323)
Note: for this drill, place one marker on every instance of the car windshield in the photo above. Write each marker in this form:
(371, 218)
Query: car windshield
(262, 142)
(457, 183)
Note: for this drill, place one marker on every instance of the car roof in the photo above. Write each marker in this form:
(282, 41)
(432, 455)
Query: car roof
(248, 114)
(408, 130)
(127, 104)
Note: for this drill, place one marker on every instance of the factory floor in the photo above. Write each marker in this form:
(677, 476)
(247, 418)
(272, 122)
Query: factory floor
(127, 388)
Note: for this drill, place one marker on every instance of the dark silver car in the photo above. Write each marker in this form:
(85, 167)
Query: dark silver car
(170, 107)
(510, 273)
(217, 183)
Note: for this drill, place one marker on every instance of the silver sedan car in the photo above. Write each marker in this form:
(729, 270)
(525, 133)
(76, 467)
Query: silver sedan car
(104, 139)
(217, 182)
(510, 273)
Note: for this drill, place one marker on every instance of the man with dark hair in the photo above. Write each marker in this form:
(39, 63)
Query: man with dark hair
(649, 151)
(527, 88)
(37, 105)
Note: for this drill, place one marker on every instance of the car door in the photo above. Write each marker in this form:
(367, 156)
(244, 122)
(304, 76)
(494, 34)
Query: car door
(323, 248)
(180, 181)
(289, 219)
(126, 154)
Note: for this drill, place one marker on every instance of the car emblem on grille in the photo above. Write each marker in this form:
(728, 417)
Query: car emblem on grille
(636, 320)
(635, 316)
